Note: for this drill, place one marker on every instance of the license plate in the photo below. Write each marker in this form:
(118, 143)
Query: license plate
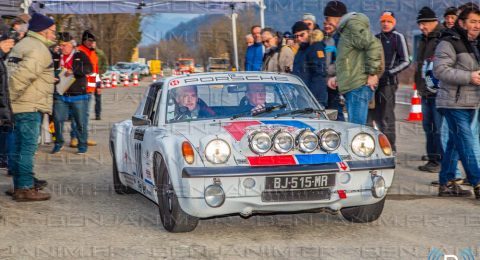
(304, 182)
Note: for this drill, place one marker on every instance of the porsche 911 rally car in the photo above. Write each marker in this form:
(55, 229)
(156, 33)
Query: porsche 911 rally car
(216, 144)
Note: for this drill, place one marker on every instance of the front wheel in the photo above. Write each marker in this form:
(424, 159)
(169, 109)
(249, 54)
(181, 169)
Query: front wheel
(363, 214)
(174, 219)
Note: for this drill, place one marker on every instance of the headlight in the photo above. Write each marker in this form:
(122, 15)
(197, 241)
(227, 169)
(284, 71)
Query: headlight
(260, 142)
(214, 196)
(329, 140)
(307, 141)
(363, 145)
(217, 151)
(283, 142)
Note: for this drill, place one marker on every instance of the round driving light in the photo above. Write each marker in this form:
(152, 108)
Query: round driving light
(249, 183)
(329, 140)
(363, 145)
(260, 142)
(217, 151)
(385, 144)
(307, 141)
(214, 196)
(283, 142)
(378, 187)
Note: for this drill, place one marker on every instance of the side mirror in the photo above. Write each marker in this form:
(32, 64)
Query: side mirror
(332, 114)
(139, 120)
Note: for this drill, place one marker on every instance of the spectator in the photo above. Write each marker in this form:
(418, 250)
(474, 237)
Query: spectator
(254, 54)
(20, 25)
(6, 116)
(311, 21)
(102, 68)
(309, 63)
(333, 12)
(450, 17)
(31, 91)
(75, 98)
(289, 40)
(456, 65)
(396, 60)
(358, 66)
(277, 58)
(249, 40)
(427, 86)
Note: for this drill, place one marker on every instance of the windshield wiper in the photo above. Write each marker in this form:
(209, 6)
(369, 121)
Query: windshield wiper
(263, 111)
(307, 110)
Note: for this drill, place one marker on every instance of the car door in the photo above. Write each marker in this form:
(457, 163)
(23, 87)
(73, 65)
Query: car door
(142, 122)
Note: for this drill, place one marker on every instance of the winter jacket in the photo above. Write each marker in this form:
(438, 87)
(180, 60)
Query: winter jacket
(360, 53)
(6, 117)
(31, 78)
(277, 60)
(454, 62)
(310, 66)
(254, 57)
(396, 56)
(426, 51)
(81, 67)
(102, 61)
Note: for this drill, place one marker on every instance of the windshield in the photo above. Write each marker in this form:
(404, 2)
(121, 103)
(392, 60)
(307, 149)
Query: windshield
(219, 61)
(185, 62)
(216, 101)
(123, 66)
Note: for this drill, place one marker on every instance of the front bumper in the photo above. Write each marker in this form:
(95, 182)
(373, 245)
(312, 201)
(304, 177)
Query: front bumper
(352, 187)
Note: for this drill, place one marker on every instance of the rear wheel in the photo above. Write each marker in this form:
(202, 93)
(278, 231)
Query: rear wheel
(117, 184)
(364, 214)
(174, 219)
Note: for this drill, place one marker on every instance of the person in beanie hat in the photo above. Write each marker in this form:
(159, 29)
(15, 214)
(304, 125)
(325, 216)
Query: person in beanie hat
(427, 85)
(333, 12)
(309, 62)
(310, 20)
(395, 52)
(359, 64)
(450, 17)
(31, 91)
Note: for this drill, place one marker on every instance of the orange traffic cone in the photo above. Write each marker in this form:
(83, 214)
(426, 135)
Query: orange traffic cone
(154, 77)
(126, 83)
(416, 108)
(107, 83)
(135, 80)
(114, 81)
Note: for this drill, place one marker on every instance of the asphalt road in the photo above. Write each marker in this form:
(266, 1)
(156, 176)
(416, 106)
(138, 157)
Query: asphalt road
(85, 219)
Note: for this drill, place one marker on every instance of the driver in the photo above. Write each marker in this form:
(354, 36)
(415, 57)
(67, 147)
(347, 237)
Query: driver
(256, 96)
(189, 106)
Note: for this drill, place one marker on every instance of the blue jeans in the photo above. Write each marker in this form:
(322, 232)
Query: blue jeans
(60, 115)
(432, 123)
(357, 104)
(445, 136)
(73, 125)
(460, 145)
(26, 131)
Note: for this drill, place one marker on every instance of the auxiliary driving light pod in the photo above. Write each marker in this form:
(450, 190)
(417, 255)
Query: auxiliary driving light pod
(378, 187)
(260, 142)
(307, 141)
(329, 140)
(214, 196)
(283, 142)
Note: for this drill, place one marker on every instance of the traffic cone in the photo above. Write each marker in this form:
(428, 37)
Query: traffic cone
(114, 80)
(102, 85)
(107, 83)
(135, 80)
(416, 108)
(126, 83)
(154, 77)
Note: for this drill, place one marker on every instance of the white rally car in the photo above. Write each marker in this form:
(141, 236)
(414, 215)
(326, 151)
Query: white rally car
(214, 144)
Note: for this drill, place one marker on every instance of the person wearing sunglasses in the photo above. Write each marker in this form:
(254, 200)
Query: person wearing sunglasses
(309, 63)
(277, 58)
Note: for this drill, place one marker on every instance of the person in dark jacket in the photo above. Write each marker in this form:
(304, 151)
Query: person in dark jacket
(75, 98)
(254, 54)
(456, 65)
(396, 55)
(309, 63)
(189, 106)
(450, 17)
(6, 115)
(427, 86)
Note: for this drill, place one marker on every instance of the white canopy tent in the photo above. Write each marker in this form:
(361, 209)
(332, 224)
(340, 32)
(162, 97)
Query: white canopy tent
(148, 7)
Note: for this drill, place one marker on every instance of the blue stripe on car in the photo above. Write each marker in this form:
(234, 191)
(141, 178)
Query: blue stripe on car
(317, 158)
(292, 123)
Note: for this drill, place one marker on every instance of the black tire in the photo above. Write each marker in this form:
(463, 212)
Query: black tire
(117, 184)
(363, 214)
(174, 219)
